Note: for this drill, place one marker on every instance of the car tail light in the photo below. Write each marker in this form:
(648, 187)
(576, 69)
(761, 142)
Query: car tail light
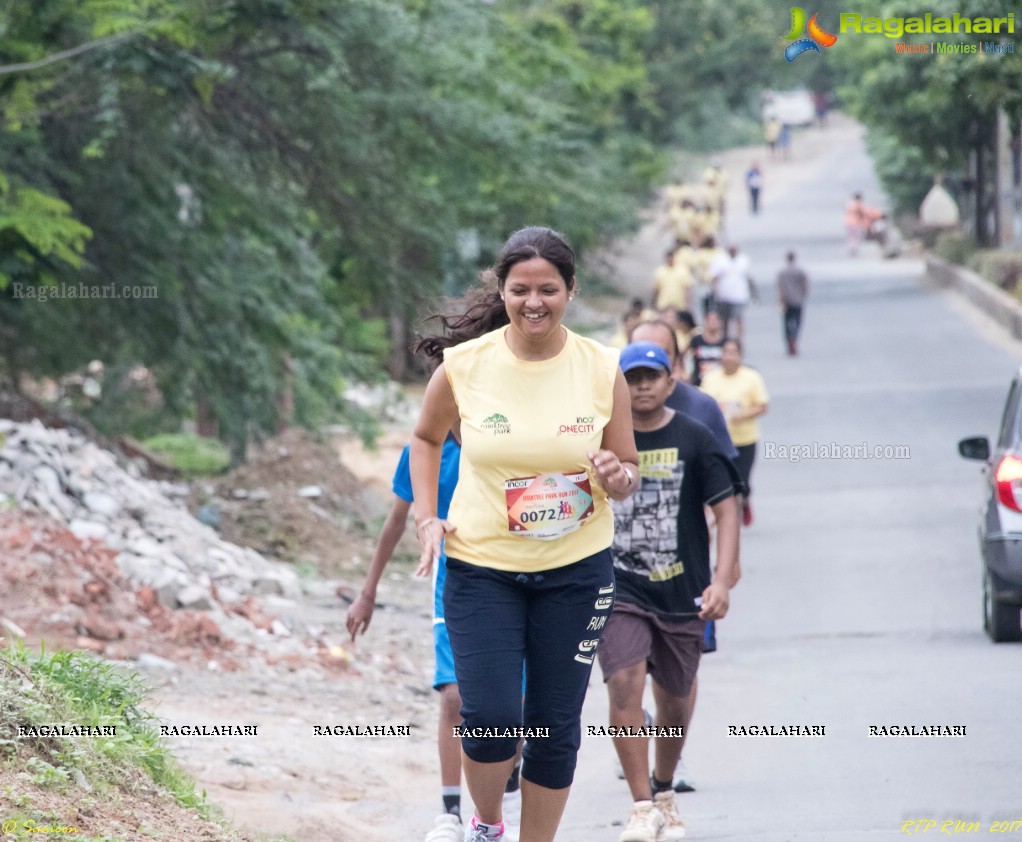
(1009, 482)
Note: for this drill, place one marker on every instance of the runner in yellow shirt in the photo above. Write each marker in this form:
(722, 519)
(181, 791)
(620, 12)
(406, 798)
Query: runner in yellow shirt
(672, 284)
(546, 442)
(718, 181)
(742, 396)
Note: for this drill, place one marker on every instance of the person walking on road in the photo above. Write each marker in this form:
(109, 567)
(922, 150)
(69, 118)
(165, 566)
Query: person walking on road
(546, 443)
(700, 407)
(742, 396)
(784, 141)
(700, 260)
(733, 288)
(717, 181)
(754, 183)
(772, 134)
(792, 293)
(666, 591)
(706, 348)
(672, 284)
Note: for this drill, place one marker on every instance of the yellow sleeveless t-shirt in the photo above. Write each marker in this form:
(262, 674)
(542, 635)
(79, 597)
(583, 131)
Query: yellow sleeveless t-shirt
(526, 498)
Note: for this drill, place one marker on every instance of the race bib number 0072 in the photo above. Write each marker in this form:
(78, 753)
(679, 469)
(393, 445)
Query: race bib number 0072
(549, 505)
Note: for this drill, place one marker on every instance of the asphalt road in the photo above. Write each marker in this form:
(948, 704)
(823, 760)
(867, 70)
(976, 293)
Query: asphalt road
(860, 599)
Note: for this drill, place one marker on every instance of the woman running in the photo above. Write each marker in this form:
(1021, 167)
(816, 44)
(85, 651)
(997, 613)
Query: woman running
(742, 397)
(546, 439)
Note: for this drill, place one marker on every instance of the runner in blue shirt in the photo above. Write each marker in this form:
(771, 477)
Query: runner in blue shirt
(448, 827)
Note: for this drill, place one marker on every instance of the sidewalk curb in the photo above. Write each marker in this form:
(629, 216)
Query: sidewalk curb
(996, 303)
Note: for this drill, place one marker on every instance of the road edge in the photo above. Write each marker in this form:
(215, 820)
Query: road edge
(993, 302)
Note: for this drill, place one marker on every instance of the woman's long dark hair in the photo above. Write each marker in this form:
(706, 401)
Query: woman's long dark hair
(482, 308)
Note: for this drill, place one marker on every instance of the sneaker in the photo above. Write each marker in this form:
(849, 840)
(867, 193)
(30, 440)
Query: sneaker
(511, 808)
(644, 823)
(674, 828)
(681, 783)
(446, 828)
(474, 834)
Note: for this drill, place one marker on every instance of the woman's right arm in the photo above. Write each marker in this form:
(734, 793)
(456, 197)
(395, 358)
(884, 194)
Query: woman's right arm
(438, 415)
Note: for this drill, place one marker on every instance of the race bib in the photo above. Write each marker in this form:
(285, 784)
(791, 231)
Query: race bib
(549, 505)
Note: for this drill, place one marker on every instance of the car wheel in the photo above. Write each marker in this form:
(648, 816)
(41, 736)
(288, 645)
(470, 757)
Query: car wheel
(1001, 621)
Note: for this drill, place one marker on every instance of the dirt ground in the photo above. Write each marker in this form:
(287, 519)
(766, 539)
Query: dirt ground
(291, 782)
(140, 813)
(293, 500)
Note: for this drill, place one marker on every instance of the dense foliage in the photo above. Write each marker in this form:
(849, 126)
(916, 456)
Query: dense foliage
(289, 182)
(928, 114)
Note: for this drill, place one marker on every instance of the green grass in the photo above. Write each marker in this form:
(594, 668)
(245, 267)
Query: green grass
(193, 456)
(74, 688)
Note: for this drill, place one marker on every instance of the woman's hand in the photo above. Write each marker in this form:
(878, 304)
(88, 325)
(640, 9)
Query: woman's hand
(430, 533)
(612, 474)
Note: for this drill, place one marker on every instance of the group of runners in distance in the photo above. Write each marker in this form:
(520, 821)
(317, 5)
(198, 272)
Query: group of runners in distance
(567, 496)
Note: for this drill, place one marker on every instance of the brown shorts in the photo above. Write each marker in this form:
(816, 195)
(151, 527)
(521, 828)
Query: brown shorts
(671, 648)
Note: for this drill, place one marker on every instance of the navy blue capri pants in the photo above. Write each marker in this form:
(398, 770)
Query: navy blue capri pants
(553, 621)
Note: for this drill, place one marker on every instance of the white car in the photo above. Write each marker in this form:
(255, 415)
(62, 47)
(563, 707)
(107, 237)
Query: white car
(796, 108)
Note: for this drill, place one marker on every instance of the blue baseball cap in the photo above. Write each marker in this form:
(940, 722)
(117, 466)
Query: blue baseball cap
(644, 355)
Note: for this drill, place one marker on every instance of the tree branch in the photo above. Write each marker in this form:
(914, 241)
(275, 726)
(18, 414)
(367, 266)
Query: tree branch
(7, 69)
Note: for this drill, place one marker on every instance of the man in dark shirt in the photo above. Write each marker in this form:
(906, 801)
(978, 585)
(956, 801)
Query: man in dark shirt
(665, 587)
(706, 348)
(792, 292)
(699, 406)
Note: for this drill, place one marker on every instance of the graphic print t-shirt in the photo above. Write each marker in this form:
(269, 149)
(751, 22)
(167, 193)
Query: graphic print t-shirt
(661, 545)
(705, 356)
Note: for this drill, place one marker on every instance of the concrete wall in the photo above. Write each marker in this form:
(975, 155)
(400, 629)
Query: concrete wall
(995, 302)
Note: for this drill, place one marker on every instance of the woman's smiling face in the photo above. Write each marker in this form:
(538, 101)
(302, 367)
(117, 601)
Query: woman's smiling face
(535, 296)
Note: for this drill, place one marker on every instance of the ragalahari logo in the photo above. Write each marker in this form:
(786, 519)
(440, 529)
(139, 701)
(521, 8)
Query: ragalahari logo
(818, 36)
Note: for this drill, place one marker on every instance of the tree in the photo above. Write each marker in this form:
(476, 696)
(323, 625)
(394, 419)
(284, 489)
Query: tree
(292, 178)
(939, 110)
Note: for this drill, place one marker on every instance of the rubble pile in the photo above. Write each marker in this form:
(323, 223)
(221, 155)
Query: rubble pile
(94, 555)
(295, 501)
(69, 592)
(158, 544)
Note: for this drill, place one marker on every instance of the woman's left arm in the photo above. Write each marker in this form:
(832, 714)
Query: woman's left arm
(755, 401)
(753, 411)
(617, 462)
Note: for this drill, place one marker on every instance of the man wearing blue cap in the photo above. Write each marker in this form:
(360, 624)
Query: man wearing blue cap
(666, 590)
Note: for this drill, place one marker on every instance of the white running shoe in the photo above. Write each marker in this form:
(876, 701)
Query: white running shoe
(446, 828)
(644, 823)
(674, 828)
(473, 835)
(511, 808)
